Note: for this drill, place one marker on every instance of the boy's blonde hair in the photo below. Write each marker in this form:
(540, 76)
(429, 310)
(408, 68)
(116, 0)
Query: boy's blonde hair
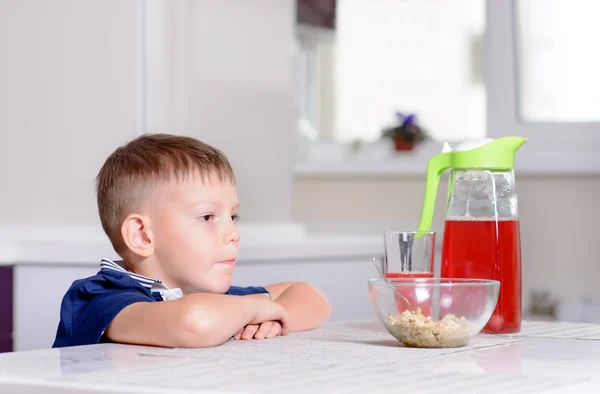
(130, 173)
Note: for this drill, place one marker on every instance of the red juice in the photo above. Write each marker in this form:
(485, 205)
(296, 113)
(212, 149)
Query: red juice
(487, 249)
(409, 292)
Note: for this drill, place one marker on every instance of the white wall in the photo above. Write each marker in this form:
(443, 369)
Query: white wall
(221, 71)
(67, 98)
(218, 70)
(559, 225)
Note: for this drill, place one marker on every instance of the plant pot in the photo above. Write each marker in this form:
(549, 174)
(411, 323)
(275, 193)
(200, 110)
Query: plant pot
(403, 145)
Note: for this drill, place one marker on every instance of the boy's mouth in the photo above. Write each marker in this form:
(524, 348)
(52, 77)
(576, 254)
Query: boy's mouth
(228, 262)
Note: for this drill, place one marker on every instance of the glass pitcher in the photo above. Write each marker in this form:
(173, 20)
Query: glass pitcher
(481, 232)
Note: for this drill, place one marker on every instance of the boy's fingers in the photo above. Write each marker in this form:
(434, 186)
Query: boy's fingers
(249, 331)
(284, 327)
(283, 321)
(274, 331)
(238, 335)
(263, 330)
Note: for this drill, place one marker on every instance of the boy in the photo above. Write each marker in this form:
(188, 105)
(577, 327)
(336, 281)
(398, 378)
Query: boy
(169, 207)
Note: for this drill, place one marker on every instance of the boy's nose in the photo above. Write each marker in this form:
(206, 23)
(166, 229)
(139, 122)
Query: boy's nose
(233, 235)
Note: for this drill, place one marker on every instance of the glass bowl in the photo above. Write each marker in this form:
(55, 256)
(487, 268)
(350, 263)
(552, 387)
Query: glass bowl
(433, 313)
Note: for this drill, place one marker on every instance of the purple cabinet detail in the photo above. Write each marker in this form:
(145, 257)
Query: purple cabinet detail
(6, 309)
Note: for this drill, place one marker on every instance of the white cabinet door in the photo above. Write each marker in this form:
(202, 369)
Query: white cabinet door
(343, 282)
(39, 289)
(38, 292)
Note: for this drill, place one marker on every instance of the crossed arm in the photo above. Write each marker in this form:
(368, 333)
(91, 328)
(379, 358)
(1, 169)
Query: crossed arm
(205, 320)
(306, 306)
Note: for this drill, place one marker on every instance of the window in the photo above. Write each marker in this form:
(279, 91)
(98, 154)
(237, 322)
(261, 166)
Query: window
(306, 61)
(530, 71)
(485, 69)
(557, 60)
(396, 55)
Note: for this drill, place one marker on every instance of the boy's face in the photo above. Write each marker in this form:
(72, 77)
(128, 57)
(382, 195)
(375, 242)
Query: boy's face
(196, 240)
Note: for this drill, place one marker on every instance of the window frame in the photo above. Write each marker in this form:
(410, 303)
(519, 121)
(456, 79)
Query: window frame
(546, 151)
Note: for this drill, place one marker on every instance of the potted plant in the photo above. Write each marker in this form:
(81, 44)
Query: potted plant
(406, 134)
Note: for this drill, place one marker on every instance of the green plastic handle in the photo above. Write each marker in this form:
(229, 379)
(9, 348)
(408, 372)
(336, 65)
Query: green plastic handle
(498, 154)
(435, 168)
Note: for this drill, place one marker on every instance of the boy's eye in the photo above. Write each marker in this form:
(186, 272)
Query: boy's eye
(207, 218)
(235, 218)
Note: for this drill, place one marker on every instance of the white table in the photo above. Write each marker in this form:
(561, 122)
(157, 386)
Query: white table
(348, 357)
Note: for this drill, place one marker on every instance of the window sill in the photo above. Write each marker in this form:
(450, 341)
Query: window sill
(361, 167)
(534, 159)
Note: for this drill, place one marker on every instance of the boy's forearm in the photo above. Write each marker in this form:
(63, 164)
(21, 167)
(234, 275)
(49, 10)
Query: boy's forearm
(308, 307)
(212, 319)
(196, 320)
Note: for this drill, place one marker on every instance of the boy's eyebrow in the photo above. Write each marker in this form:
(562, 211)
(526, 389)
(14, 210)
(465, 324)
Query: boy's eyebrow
(200, 202)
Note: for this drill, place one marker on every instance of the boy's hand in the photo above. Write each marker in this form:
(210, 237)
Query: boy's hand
(307, 306)
(270, 320)
(268, 310)
(266, 330)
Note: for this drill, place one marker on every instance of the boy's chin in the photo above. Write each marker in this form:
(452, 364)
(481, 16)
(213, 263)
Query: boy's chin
(219, 287)
(222, 289)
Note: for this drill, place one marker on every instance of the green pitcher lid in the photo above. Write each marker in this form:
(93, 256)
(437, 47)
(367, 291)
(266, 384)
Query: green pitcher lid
(488, 154)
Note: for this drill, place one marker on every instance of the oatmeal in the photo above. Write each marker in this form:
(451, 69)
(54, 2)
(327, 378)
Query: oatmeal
(414, 329)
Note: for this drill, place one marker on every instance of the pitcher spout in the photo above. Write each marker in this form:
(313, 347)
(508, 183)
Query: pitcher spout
(508, 145)
(497, 154)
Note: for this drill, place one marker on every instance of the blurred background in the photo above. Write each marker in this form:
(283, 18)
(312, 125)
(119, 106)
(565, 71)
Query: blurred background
(308, 98)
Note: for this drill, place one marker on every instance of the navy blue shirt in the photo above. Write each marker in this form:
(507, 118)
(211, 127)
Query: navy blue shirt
(91, 304)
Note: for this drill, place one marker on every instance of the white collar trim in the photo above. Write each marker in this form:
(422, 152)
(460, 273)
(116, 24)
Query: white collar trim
(154, 285)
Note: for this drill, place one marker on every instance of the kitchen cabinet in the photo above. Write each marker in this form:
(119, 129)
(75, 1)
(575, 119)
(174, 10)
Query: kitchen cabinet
(6, 308)
(343, 280)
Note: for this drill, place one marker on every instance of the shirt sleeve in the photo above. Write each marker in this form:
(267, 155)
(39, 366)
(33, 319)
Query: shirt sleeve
(241, 291)
(91, 304)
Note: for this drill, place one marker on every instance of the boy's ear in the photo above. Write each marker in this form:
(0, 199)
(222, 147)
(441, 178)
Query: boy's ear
(137, 235)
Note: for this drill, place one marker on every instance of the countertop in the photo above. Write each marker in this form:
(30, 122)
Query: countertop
(340, 357)
(87, 244)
